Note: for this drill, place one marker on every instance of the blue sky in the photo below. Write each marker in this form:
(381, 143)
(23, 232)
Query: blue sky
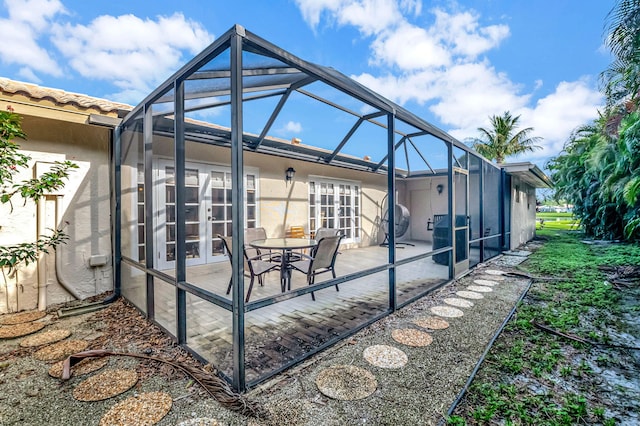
(454, 63)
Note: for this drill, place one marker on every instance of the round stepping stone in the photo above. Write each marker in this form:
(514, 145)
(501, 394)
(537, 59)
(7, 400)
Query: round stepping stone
(493, 278)
(485, 282)
(200, 421)
(61, 350)
(144, 409)
(19, 330)
(385, 356)
(45, 338)
(493, 272)
(86, 366)
(105, 385)
(433, 323)
(412, 337)
(460, 303)
(22, 317)
(447, 311)
(480, 288)
(469, 294)
(346, 382)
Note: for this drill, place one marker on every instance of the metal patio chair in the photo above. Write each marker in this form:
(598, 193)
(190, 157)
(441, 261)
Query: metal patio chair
(254, 266)
(321, 260)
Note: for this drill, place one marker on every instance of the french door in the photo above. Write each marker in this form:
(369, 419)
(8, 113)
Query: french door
(207, 211)
(335, 204)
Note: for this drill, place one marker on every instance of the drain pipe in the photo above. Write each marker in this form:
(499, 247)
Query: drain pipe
(484, 354)
(61, 279)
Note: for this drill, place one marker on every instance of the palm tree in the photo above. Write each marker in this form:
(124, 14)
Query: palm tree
(503, 139)
(622, 78)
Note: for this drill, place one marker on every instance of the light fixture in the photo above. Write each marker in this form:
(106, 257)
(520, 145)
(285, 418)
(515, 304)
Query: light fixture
(440, 188)
(289, 174)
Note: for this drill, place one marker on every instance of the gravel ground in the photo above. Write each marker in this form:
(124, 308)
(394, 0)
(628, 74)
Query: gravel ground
(419, 393)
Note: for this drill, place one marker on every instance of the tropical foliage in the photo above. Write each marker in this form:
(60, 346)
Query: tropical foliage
(599, 169)
(11, 160)
(504, 139)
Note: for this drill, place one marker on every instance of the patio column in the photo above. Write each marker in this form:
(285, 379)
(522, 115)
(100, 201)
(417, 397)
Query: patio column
(147, 134)
(391, 208)
(452, 219)
(237, 211)
(181, 245)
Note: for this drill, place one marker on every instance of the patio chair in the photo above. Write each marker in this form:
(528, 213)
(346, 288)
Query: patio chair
(252, 234)
(325, 232)
(254, 266)
(322, 259)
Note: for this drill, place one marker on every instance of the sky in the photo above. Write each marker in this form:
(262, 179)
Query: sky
(453, 63)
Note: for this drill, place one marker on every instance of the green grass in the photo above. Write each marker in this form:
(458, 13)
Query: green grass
(577, 290)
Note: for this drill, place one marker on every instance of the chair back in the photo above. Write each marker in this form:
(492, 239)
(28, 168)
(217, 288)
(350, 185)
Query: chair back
(295, 232)
(252, 234)
(227, 242)
(325, 253)
(325, 232)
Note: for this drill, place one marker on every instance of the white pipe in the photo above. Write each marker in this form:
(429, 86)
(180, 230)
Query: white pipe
(61, 279)
(42, 270)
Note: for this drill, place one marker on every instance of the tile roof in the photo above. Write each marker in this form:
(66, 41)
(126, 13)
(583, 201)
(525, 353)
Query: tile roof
(60, 96)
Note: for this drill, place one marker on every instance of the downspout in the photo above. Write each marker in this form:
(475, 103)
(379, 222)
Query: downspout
(61, 279)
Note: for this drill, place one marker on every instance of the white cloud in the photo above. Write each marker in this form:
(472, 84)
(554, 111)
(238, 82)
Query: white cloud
(131, 53)
(370, 16)
(293, 127)
(27, 22)
(409, 48)
(28, 74)
(556, 115)
(443, 67)
(463, 33)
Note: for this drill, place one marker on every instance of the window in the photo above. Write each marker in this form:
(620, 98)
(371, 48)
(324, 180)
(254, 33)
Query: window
(335, 204)
(141, 245)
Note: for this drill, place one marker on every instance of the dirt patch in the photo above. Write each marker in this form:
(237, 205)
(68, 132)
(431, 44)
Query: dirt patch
(418, 393)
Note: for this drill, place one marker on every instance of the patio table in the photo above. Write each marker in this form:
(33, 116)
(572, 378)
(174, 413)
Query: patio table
(286, 246)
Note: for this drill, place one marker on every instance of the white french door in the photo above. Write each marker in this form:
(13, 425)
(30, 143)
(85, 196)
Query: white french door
(207, 211)
(335, 204)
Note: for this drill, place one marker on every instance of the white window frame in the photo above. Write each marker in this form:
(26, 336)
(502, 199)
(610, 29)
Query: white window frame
(356, 206)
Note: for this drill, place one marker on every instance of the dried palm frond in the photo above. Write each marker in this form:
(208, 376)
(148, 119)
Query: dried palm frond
(215, 386)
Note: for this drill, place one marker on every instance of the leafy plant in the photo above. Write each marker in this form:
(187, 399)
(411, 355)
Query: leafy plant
(11, 160)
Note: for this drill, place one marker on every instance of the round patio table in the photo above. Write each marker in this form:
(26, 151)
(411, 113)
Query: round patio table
(286, 246)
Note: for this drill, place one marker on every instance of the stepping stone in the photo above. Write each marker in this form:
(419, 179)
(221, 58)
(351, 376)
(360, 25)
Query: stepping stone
(469, 294)
(412, 337)
(480, 288)
(346, 382)
(22, 317)
(385, 356)
(460, 303)
(86, 366)
(433, 323)
(144, 409)
(492, 277)
(61, 350)
(45, 338)
(494, 272)
(485, 282)
(447, 311)
(105, 385)
(200, 421)
(19, 330)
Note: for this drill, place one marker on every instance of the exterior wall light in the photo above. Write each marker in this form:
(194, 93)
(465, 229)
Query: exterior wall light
(289, 174)
(440, 188)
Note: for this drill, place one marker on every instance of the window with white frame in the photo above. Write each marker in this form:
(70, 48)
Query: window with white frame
(335, 204)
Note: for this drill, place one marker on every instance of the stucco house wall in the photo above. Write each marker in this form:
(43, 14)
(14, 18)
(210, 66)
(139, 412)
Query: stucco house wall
(523, 212)
(58, 129)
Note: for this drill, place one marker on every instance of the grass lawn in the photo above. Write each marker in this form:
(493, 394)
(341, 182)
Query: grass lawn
(531, 376)
(556, 221)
